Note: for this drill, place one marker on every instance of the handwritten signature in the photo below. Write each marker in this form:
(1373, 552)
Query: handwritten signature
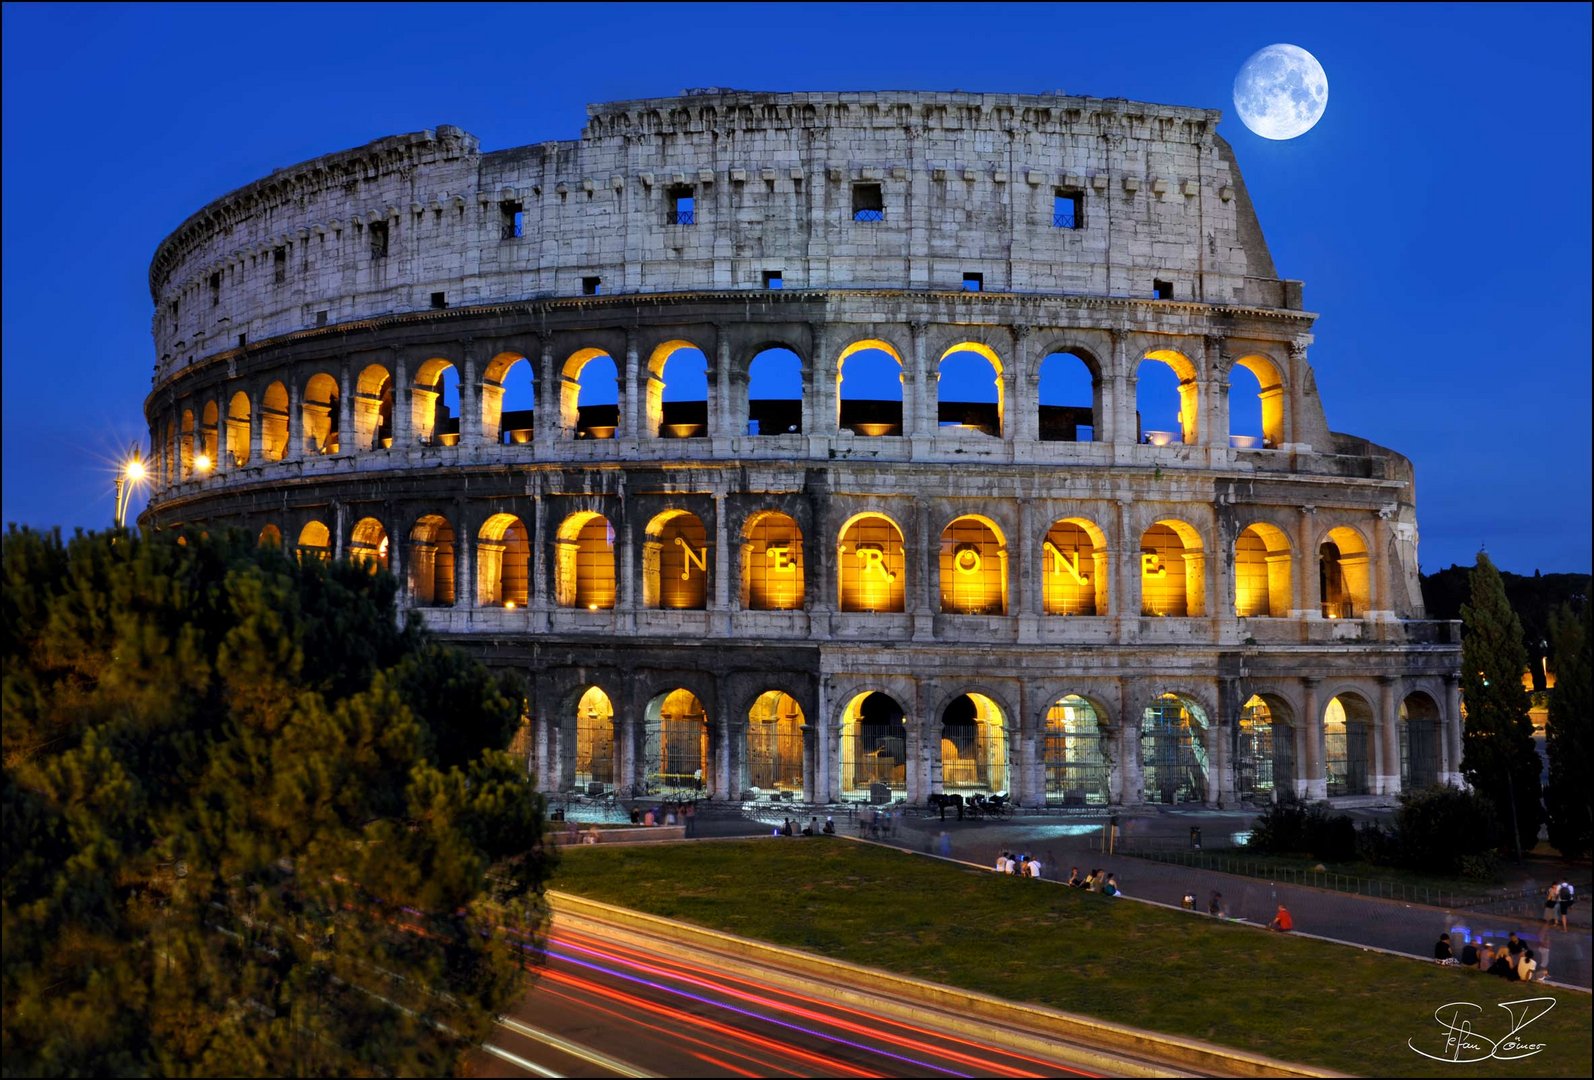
(1464, 1044)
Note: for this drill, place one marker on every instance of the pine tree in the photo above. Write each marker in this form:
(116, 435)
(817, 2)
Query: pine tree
(246, 830)
(1498, 757)
(1568, 735)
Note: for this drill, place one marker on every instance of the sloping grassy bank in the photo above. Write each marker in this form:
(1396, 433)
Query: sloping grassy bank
(1287, 997)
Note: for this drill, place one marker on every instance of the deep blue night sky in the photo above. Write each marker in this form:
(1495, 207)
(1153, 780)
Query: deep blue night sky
(1439, 214)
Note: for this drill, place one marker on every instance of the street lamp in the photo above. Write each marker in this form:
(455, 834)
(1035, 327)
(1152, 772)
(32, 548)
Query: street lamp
(127, 478)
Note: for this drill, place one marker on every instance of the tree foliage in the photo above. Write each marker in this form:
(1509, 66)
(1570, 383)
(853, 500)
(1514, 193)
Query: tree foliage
(252, 825)
(1567, 735)
(1498, 757)
(1441, 827)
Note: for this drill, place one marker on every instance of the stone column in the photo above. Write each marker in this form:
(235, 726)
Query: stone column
(819, 400)
(1215, 407)
(1026, 578)
(631, 390)
(1312, 783)
(546, 424)
(823, 778)
(923, 563)
(1379, 569)
(1125, 598)
(726, 758)
(1021, 390)
(1307, 602)
(719, 603)
(541, 543)
(625, 584)
(1130, 770)
(1451, 745)
(464, 560)
(919, 391)
(1120, 418)
(1388, 780)
(346, 387)
(470, 399)
(295, 447)
(719, 410)
(403, 427)
(810, 763)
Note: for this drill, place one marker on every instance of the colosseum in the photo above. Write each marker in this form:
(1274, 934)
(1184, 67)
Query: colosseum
(824, 447)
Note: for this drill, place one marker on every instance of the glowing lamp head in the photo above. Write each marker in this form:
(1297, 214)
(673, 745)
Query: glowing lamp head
(509, 605)
(202, 462)
(592, 607)
(134, 470)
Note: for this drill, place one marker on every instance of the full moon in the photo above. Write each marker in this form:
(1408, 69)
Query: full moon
(1281, 91)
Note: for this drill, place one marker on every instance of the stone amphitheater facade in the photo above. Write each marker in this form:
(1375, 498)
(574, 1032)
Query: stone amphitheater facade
(840, 595)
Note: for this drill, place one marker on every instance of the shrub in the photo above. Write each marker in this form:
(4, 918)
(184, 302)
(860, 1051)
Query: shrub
(1441, 827)
(1330, 837)
(1280, 829)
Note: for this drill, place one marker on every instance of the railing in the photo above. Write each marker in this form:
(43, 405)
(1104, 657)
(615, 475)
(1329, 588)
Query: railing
(868, 215)
(1064, 219)
(681, 217)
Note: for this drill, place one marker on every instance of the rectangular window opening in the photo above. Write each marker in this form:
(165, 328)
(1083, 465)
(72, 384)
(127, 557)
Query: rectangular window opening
(243, 339)
(279, 262)
(683, 205)
(867, 203)
(1162, 290)
(378, 239)
(439, 300)
(591, 286)
(215, 289)
(1068, 210)
(773, 279)
(973, 282)
(513, 216)
(321, 318)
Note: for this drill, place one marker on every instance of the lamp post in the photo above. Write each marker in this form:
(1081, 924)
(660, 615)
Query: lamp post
(128, 477)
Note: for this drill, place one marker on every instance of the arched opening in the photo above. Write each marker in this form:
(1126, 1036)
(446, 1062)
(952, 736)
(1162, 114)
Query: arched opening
(584, 563)
(595, 742)
(1074, 577)
(1173, 752)
(589, 395)
(270, 537)
(874, 745)
(869, 389)
(238, 430)
(209, 434)
(1347, 744)
(1074, 754)
(432, 562)
(775, 743)
(1264, 757)
(1256, 404)
(274, 422)
(187, 450)
(1262, 573)
(676, 743)
(319, 414)
(509, 400)
(315, 542)
(1420, 750)
(675, 562)
(973, 745)
(503, 563)
(368, 543)
(973, 568)
(775, 393)
(373, 409)
(677, 395)
(772, 563)
(1167, 399)
(870, 566)
(1172, 571)
(434, 404)
(1343, 573)
(969, 390)
(1070, 399)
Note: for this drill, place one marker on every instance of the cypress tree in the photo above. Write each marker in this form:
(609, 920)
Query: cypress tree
(1498, 757)
(1568, 736)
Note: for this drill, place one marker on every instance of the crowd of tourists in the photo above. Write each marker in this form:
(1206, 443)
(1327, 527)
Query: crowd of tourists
(1514, 961)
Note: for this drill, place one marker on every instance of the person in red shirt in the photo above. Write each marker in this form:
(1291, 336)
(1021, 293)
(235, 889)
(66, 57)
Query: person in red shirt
(1282, 920)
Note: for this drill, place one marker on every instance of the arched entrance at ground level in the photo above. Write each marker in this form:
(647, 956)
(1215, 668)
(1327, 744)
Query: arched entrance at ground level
(1347, 744)
(676, 750)
(1074, 754)
(595, 742)
(874, 745)
(775, 743)
(1264, 754)
(1173, 751)
(973, 745)
(1420, 732)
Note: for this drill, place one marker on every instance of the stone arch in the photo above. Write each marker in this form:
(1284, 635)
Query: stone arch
(1262, 572)
(1186, 420)
(508, 398)
(238, 417)
(874, 744)
(1076, 753)
(971, 363)
(584, 574)
(431, 561)
(274, 422)
(870, 416)
(773, 754)
(871, 565)
(433, 420)
(1264, 752)
(772, 562)
(1344, 573)
(679, 411)
(1350, 730)
(1422, 732)
(973, 752)
(1265, 422)
(1074, 574)
(586, 410)
(677, 752)
(368, 543)
(503, 562)
(209, 438)
(973, 567)
(1173, 749)
(270, 536)
(676, 556)
(374, 402)
(1069, 408)
(597, 749)
(187, 450)
(1172, 570)
(319, 414)
(315, 541)
(773, 373)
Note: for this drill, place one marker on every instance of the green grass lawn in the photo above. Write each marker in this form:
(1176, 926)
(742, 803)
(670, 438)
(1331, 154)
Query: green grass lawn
(1286, 997)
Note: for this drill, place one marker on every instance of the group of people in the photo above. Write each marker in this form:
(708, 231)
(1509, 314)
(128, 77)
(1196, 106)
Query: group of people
(1023, 865)
(1214, 905)
(1514, 960)
(813, 828)
(1556, 902)
(1095, 881)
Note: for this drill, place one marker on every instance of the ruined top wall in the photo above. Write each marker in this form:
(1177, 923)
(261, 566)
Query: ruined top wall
(968, 184)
